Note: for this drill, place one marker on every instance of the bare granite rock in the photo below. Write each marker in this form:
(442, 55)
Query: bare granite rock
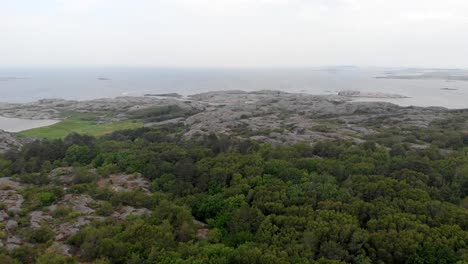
(13, 242)
(9, 141)
(78, 202)
(37, 218)
(65, 230)
(125, 182)
(3, 216)
(11, 225)
(283, 118)
(61, 248)
(53, 108)
(7, 183)
(61, 175)
(270, 116)
(126, 211)
(11, 199)
(202, 233)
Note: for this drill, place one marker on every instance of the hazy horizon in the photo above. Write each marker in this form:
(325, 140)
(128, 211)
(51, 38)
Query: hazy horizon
(234, 33)
(31, 84)
(215, 68)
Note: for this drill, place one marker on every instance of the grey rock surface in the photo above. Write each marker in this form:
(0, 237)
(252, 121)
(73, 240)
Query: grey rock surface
(9, 141)
(37, 218)
(125, 182)
(270, 116)
(279, 117)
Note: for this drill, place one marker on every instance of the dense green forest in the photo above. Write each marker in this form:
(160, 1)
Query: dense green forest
(382, 201)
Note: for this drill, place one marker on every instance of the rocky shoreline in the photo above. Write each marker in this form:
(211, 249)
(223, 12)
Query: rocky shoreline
(269, 116)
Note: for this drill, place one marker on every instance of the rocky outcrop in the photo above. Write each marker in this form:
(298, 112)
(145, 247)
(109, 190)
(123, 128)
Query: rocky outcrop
(270, 116)
(119, 107)
(78, 202)
(37, 218)
(13, 242)
(9, 196)
(9, 141)
(80, 209)
(125, 182)
(67, 229)
(279, 117)
(202, 231)
(125, 211)
(61, 175)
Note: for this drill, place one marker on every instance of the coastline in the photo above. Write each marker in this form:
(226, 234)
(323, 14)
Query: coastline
(16, 117)
(83, 84)
(268, 116)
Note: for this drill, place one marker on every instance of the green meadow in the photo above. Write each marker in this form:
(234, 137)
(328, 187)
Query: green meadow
(73, 125)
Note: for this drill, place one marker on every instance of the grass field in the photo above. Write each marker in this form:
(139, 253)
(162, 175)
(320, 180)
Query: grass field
(62, 129)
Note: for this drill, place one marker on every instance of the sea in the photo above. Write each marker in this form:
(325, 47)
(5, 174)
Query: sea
(20, 85)
(14, 125)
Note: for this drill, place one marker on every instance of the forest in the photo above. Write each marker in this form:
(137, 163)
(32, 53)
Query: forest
(221, 199)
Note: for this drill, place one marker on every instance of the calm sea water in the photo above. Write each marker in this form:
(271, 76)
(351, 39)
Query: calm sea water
(17, 124)
(30, 84)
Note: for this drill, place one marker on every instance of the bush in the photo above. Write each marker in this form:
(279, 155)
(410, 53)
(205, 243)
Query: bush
(41, 235)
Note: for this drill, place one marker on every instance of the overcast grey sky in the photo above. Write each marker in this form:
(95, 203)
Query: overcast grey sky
(234, 33)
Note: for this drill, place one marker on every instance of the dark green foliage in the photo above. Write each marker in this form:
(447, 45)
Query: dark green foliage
(36, 197)
(24, 254)
(79, 154)
(40, 235)
(382, 201)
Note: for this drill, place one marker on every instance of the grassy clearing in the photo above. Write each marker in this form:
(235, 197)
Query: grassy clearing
(62, 129)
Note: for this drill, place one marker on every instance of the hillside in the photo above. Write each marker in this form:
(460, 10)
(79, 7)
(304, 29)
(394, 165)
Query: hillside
(243, 178)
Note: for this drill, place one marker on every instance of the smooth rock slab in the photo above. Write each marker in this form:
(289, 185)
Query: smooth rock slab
(13, 242)
(11, 224)
(37, 217)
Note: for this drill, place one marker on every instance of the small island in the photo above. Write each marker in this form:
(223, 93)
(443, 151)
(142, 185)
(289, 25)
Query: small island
(352, 93)
(174, 95)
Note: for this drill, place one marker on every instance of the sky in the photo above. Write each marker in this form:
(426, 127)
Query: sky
(234, 33)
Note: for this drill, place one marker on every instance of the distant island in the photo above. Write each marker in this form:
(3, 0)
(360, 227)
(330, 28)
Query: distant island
(175, 95)
(352, 93)
(432, 75)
